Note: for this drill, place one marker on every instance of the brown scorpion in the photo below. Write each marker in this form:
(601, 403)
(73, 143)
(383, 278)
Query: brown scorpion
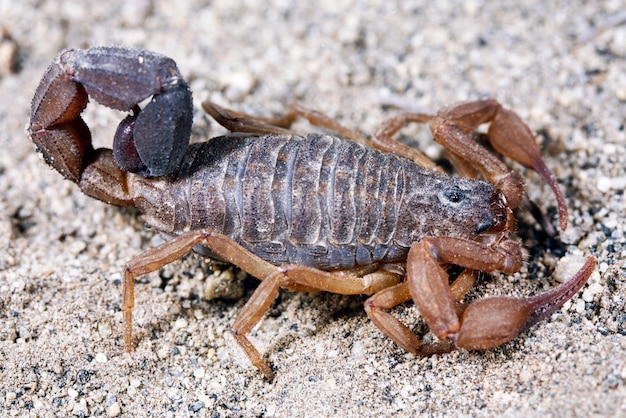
(337, 213)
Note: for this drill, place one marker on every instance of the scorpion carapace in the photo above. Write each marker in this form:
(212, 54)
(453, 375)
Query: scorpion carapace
(338, 213)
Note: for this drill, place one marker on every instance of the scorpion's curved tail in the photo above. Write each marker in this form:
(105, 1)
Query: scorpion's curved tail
(119, 78)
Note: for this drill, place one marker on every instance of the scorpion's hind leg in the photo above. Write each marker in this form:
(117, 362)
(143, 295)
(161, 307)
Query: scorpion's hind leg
(294, 277)
(383, 139)
(242, 122)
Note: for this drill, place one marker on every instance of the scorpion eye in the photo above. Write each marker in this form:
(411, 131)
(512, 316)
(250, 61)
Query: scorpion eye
(454, 194)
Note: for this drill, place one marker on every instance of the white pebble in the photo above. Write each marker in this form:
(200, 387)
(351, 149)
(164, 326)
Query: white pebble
(567, 267)
(592, 290)
(199, 373)
(181, 323)
(606, 184)
(104, 329)
(358, 348)
(114, 410)
(579, 306)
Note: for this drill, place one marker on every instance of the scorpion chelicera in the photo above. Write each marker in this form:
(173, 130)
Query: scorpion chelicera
(337, 213)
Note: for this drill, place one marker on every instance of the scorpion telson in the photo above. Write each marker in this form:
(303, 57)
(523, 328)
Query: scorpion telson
(338, 213)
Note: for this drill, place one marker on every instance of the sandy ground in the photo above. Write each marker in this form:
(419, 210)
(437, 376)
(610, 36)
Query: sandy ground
(62, 253)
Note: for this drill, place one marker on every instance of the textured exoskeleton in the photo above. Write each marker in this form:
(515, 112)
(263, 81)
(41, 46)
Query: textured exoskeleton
(338, 213)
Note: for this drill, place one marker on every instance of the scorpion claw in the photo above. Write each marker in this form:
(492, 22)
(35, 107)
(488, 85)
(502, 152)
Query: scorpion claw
(508, 135)
(491, 322)
(511, 137)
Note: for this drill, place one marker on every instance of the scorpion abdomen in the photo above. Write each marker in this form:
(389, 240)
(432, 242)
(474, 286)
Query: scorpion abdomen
(318, 200)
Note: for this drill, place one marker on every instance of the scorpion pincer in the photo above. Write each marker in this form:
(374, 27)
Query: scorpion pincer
(337, 213)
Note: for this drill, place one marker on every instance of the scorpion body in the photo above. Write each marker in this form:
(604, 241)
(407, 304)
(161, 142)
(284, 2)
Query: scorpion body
(341, 213)
(319, 200)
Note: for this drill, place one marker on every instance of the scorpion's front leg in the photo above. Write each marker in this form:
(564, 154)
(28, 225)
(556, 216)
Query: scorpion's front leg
(483, 324)
(294, 277)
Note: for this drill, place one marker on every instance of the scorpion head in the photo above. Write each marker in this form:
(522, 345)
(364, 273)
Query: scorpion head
(458, 207)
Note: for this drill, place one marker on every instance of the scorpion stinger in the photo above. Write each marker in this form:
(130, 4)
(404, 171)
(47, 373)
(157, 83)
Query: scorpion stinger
(119, 78)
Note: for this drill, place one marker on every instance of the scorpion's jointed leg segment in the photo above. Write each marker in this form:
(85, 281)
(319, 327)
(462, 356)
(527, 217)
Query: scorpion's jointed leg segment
(241, 122)
(376, 307)
(384, 138)
(393, 296)
(483, 324)
(294, 277)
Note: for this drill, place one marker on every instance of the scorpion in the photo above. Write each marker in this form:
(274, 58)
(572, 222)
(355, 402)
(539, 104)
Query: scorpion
(335, 212)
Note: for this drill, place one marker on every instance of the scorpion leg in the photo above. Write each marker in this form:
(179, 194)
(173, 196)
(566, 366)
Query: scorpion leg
(296, 277)
(388, 298)
(292, 277)
(488, 322)
(392, 296)
(385, 141)
(383, 138)
(452, 127)
(241, 122)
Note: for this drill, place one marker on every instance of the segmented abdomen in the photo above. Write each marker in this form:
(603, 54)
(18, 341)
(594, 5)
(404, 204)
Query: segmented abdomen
(318, 200)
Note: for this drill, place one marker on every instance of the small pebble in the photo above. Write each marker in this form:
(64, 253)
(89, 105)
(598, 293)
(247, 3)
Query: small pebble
(181, 323)
(114, 410)
(199, 373)
(8, 53)
(592, 290)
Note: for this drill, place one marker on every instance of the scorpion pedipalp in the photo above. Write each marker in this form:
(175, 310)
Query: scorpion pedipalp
(508, 135)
